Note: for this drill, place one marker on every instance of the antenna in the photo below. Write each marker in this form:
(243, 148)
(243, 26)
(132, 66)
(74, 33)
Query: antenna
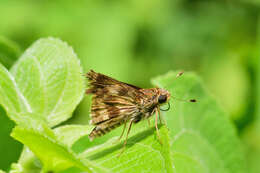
(182, 100)
(191, 100)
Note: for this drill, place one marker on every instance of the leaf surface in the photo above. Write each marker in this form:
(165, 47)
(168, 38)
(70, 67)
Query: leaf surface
(46, 87)
(69, 134)
(50, 78)
(53, 155)
(143, 152)
(11, 98)
(200, 138)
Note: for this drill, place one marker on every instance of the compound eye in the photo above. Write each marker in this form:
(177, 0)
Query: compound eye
(162, 99)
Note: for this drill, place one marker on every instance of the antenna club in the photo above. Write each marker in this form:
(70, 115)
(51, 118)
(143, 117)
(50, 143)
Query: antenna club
(179, 74)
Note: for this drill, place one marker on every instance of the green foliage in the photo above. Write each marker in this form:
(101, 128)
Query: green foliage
(50, 79)
(54, 156)
(45, 86)
(27, 163)
(203, 140)
(251, 136)
(9, 52)
(200, 137)
(66, 133)
(134, 41)
(7, 144)
(47, 81)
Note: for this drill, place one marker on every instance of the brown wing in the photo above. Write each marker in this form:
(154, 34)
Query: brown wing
(113, 102)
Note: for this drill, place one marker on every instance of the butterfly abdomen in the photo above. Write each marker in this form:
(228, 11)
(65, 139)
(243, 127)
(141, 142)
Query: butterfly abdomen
(100, 131)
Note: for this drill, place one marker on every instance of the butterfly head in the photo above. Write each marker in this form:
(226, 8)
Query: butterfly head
(163, 96)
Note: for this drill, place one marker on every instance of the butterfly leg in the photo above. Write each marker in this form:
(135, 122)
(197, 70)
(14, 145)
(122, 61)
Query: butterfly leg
(124, 145)
(156, 126)
(148, 120)
(160, 117)
(122, 132)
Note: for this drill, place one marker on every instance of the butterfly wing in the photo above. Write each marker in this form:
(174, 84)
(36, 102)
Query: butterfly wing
(113, 102)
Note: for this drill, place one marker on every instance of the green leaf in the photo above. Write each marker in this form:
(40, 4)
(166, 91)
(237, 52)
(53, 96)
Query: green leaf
(251, 135)
(27, 163)
(17, 168)
(50, 78)
(66, 135)
(11, 97)
(251, 138)
(258, 90)
(9, 52)
(69, 134)
(9, 148)
(53, 155)
(47, 87)
(143, 151)
(202, 137)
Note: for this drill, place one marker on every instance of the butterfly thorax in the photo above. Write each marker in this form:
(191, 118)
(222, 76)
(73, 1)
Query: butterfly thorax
(150, 102)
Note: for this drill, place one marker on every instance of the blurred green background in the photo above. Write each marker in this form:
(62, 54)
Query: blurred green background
(136, 40)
